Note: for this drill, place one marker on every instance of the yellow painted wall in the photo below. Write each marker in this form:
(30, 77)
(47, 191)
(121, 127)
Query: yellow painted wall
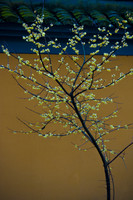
(33, 168)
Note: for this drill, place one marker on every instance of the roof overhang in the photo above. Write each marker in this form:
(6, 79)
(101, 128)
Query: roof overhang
(11, 30)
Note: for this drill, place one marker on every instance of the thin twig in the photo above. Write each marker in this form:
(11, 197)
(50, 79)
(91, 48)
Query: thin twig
(120, 153)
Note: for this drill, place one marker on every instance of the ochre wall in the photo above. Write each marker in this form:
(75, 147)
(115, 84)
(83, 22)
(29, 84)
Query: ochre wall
(33, 168)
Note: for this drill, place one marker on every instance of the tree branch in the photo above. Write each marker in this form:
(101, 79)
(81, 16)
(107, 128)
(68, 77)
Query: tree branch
(120, 153)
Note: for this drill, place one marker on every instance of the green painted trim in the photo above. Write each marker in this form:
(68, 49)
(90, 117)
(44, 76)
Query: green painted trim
(11, 37)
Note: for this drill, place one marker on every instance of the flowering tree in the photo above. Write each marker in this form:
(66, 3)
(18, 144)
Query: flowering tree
(67, 91)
